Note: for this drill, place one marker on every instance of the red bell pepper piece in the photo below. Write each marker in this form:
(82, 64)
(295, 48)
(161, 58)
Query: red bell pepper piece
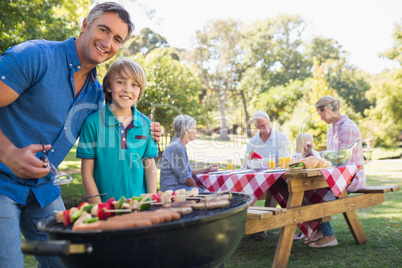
(102, 214)
(156, 197)
(110, 203)
(66, 217)
(82, 204)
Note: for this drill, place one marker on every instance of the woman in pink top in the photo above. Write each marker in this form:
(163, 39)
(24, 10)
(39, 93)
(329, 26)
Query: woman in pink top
(341, 134)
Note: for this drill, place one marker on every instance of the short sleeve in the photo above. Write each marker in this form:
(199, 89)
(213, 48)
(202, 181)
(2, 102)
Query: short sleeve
(20, 65)
(87, 144)
(151, 150)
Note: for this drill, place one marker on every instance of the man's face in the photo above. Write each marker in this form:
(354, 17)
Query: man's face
(101, 41)
(263, 126)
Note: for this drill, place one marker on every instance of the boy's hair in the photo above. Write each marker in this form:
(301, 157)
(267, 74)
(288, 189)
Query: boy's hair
(301, 140)
(124, 68)
(111, 7)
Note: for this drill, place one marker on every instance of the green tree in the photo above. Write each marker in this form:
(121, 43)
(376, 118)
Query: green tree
(144, 42)
(217, 58)
(275, 48)
(40, 19)
(172, 89)
(350, 83)
(395, 53)
(386, 93)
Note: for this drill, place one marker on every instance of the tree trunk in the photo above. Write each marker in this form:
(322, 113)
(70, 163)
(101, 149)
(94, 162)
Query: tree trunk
(248, 130)
(222, 104)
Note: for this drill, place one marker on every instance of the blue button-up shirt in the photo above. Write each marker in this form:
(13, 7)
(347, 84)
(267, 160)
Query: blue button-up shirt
(273, 147)
(175, 166)
(42, 73)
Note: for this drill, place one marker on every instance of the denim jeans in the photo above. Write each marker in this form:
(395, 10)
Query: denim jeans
(16, 218)
(326, 228)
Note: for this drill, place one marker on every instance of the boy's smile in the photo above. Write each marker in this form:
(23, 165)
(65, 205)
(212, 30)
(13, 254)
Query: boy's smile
(125, 93)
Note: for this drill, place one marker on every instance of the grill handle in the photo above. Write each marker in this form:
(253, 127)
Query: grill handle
(58, 248)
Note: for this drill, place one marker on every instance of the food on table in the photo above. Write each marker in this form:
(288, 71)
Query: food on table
(299, 164)
(254, 155)
(337, 157)
(322, 163)
(309, 163)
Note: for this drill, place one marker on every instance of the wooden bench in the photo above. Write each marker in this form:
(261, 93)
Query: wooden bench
(266, 218)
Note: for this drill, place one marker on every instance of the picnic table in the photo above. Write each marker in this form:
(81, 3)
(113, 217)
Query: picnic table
(324, 193)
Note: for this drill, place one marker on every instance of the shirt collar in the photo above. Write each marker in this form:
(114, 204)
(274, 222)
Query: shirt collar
(178, 141)
(73, 61)
(342, 120)
(110, 120)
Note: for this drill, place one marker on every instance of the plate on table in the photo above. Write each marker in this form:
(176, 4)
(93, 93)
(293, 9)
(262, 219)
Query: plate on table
(241, 171)
(275, 170)
(219, 172)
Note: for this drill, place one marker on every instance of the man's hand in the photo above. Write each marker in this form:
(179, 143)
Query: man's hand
(156, 130)
(213, 167)
(23, 162)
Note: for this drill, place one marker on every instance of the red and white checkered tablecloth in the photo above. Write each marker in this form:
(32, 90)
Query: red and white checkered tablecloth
(255, 184)
(337, 178)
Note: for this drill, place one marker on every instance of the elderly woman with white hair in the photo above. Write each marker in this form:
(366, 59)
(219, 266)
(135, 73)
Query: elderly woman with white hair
(341, 134)
(176, 171)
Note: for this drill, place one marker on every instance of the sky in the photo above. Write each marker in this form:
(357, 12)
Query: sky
(363, 28)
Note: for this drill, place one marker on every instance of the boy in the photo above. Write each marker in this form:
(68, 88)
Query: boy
(116, 145)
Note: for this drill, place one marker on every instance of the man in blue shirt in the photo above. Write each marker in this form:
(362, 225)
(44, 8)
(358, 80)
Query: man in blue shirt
(47, 90)
(267, 143)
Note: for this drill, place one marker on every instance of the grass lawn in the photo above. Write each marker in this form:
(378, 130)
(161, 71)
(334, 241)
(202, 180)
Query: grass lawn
(381, 223)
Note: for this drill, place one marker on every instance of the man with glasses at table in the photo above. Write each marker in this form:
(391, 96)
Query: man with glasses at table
(47, 90)
(267, 142)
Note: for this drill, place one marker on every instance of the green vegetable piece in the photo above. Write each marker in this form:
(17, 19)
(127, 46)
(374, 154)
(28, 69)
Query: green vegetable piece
(120, 203)
(146, 206)
(88, 207)
(91, 220)
(122, 200)
(77, 214)
(138, 198)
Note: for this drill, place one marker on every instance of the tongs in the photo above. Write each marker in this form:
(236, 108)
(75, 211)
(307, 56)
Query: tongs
(59, 178)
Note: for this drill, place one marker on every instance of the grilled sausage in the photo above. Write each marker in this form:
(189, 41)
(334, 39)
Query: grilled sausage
(111, 225)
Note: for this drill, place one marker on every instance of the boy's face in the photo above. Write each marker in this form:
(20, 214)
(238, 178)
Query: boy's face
(101, 41)
(124, 92)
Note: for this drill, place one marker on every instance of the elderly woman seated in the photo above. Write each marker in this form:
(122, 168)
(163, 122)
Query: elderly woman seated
(176, 171)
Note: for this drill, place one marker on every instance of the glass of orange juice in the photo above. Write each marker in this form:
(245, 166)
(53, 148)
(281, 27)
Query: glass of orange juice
(230, 166)
(272, 163)
(287, 160)
(282, 162)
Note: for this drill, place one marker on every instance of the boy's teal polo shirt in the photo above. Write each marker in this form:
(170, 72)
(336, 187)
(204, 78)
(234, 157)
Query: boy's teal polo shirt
(118, 152)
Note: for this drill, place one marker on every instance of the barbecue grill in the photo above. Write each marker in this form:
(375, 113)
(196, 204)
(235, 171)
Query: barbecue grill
(203, 238)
